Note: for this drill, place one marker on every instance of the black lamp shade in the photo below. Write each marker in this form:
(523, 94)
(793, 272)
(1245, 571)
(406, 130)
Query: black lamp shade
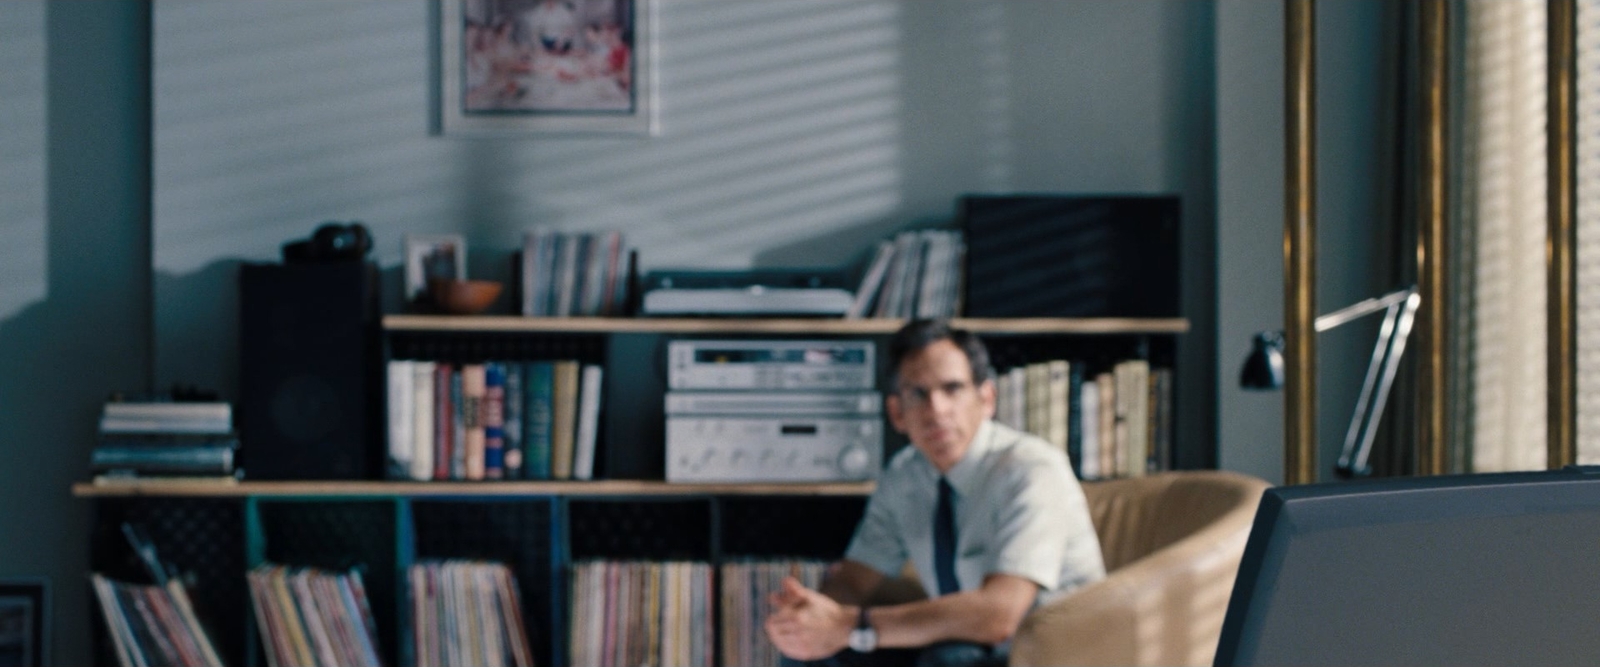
(1263, 369)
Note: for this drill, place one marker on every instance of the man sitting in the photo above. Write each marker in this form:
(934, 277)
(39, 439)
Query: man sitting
(992, 518)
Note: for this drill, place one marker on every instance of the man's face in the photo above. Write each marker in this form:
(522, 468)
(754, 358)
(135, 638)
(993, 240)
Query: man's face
(937, 406)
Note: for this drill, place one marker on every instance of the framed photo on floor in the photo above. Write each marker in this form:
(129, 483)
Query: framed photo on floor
(508, 67)
(24, 622)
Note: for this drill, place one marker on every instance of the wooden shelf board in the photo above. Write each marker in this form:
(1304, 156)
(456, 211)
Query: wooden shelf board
(1028, 325)
(601, 488)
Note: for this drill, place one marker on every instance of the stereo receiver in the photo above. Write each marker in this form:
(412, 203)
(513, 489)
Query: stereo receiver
(770, 364)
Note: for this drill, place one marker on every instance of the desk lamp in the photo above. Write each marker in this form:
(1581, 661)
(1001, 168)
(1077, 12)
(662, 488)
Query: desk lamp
(1263, 369)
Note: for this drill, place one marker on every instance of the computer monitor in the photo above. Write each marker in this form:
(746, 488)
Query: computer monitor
(1490, 569)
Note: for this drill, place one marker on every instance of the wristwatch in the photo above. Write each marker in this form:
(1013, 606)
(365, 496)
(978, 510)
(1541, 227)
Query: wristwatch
(863, 639)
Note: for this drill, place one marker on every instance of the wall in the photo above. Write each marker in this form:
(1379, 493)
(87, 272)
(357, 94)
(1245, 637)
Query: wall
(793, 133)
(1250, 187)
(1352, 91)
(75, 298)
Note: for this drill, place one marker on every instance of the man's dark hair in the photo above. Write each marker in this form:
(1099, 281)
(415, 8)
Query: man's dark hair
(919, 334)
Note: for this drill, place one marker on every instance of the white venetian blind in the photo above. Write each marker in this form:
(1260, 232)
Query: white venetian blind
(1501, 253)
(1588, 253)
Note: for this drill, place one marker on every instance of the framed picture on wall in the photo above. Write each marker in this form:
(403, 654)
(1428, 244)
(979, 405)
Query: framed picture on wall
(24, 618)
(430, 257)
(546, 66)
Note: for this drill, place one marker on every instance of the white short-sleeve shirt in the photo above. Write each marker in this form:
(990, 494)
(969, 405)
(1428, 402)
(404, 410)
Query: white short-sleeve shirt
(1019, 510)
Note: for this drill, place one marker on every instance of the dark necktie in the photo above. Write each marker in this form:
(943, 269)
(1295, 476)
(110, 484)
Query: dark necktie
(944, 540)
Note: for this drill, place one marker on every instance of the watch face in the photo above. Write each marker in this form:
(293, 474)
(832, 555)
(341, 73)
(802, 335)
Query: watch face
(863, 640)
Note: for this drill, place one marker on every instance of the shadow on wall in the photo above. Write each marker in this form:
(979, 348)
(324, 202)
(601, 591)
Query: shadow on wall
(59, 371)
(207, 302)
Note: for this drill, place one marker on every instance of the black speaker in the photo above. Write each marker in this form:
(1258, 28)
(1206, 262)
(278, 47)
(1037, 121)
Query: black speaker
(1050, 255)
(310, 371)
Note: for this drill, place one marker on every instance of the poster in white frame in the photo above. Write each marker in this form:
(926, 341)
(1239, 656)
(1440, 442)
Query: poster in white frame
(542, 67)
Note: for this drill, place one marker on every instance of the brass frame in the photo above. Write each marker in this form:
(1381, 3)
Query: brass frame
(1432, 321)
(1299, 244)
(1562, 243)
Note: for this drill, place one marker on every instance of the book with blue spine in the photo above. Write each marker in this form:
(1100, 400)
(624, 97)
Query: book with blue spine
(538, 418)
(494, 438)
(511, 430)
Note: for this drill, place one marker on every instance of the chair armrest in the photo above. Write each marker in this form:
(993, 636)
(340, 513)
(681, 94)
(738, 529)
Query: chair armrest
(1164, 609)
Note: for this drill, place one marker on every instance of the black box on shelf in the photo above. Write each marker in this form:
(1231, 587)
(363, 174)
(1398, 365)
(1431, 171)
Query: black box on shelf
(310, 371)
(1048, 255)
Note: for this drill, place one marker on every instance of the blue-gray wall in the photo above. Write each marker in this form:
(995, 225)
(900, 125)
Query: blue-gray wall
(792, 133)
(75, 308)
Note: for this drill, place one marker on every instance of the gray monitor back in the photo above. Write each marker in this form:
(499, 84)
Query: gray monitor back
(1495, 569)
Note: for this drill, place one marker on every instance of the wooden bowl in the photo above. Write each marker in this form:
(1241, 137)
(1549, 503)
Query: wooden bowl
(464, 297)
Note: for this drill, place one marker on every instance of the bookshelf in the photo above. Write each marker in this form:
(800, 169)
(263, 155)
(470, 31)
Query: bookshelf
(217, 532)
(540, 529)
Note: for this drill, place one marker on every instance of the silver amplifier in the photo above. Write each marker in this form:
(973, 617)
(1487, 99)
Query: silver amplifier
(774, 449)
(770, 364)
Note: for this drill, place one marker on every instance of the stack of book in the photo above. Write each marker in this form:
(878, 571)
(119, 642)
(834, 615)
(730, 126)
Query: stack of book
(642, 613)
(165, 438)
(313, 618)
(467, 613)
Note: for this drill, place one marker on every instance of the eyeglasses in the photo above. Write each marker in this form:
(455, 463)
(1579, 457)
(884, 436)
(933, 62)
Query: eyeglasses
(917, 397)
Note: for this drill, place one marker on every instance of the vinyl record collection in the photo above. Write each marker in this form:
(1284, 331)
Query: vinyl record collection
(313, 618)
(467, 613)
(746, 587)
(153, 624)
(641, 613)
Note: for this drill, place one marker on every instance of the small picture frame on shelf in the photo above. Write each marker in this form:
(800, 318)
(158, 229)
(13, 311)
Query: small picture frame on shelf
(24, 622)
(430, 257)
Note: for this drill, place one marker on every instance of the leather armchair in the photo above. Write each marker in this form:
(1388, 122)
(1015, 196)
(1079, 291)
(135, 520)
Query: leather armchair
(1172, 543)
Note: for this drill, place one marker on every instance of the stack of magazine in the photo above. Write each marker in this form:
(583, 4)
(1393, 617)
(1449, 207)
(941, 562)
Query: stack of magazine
(313, 618)
(160, 437)
(467, 613)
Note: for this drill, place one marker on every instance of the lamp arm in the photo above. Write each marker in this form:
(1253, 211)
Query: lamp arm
(1362, 308)
(1386, 353)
